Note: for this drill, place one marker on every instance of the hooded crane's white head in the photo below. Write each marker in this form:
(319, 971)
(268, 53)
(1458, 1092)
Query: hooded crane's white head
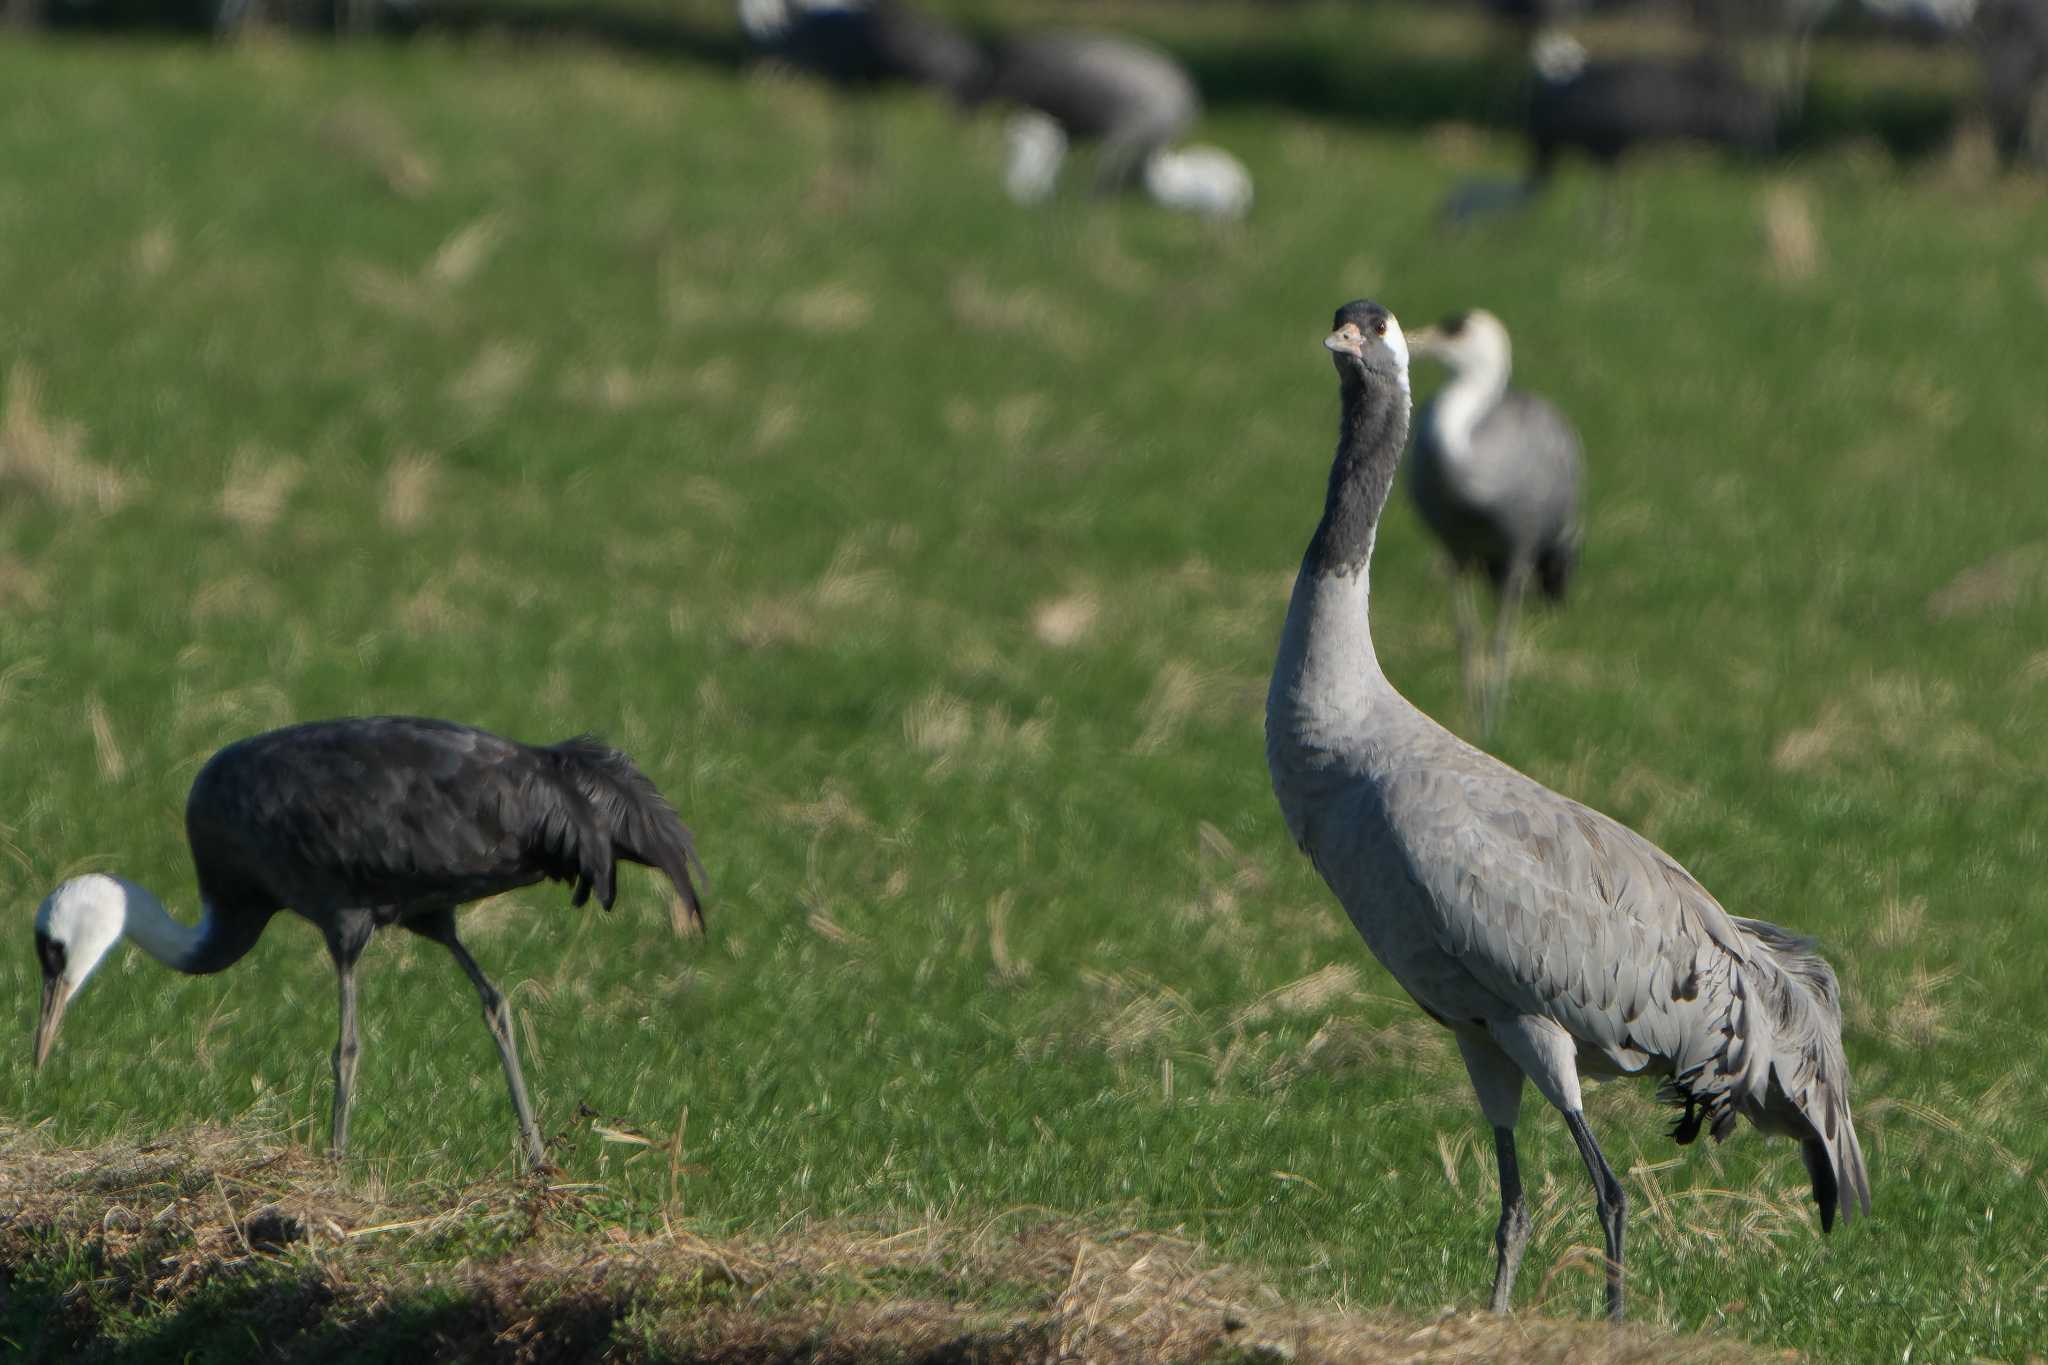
(1474, 343)
(75, 925)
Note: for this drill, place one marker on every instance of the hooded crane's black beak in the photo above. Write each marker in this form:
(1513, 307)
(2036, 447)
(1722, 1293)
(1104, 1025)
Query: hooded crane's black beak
(56, 995)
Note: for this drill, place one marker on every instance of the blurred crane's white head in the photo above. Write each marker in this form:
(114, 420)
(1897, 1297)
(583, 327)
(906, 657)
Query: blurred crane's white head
(75, 926)
(1558, 57)
(1474, 343)
(1038, 147)
(1200, 179)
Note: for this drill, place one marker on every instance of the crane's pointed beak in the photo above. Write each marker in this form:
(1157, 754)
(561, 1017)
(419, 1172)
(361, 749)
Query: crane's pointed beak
(56, 995)
(1425, 340)
(1346, 341)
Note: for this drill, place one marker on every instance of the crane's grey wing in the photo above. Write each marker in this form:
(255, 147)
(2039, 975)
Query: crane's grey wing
(1568, 915)
(1564, 913)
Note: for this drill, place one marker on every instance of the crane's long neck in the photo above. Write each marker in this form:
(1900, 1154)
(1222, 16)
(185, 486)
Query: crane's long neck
(1464, 401)
(1370, 435)
(1327, 684)
(216, 942)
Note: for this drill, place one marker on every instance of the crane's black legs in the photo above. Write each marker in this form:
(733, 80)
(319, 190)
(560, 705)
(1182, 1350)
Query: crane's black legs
(1511, 1238)
(1497, 1081)
(1613, 1203)
(498, 1015)
(345, 944)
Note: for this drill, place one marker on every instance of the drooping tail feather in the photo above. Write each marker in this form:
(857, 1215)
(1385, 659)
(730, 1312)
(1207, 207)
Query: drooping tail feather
(636, 822)
(1808, 1095)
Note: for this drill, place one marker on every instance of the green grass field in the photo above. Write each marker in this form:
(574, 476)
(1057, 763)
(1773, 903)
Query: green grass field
(931, 554)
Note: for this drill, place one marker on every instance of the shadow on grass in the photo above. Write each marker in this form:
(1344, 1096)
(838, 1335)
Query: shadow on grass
(285, 1313)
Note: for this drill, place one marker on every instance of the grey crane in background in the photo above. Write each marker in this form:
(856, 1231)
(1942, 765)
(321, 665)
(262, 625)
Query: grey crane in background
(1131, 99)
(1551, 940)
(366, 822)
(1497, 477)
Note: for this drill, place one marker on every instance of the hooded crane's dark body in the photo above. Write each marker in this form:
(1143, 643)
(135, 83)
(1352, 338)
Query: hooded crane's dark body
(1527, 523)
(2012, 51)
(392, 816)
(1609, 106)
(365, 822)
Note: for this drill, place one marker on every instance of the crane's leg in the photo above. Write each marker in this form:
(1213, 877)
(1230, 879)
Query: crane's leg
(1548, 1056)
(498, 1015)
(1613, 1203)
(1511, 593)
(1465, 621)
(345, 943)
(1498, 1082)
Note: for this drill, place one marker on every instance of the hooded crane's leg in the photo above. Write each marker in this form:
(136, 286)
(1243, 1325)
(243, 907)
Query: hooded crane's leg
(498, 1015)
(1511, 592)
(1498, 1082)
(1613, 1204)
(1465, 620)
(345, 943)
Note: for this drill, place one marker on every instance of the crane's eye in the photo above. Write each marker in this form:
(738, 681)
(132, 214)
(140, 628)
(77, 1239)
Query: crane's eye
(1379, 326)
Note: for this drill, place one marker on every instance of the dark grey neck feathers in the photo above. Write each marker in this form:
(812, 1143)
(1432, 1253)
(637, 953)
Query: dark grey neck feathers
(225, 940)
(1373, 429)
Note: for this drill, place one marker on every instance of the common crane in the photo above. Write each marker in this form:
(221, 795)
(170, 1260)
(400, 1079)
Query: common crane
(1551, 940)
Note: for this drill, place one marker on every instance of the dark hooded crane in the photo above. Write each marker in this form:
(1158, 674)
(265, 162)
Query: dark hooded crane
(1496, 476)
(2011, 38)
(1608, 107)
(1552, 941)
(367, 822)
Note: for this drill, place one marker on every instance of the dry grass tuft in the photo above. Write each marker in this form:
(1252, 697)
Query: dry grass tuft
(1336, 984)
(829, 308)
(113, 764)
(496, 372)
(465, 252)
(1999, 581)
(21, 585)
(409, 490)
(1791, 236)
(1886, 715)
(43, 456)
(1063, 622)
(373, 138)
(205, 1208)
(154, 252)
(979, 306)
(257, 489)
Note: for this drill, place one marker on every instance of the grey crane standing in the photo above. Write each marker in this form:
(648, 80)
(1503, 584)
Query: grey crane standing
(1551, 940)
(1497, 477)
(365, 822)
(1134, 99)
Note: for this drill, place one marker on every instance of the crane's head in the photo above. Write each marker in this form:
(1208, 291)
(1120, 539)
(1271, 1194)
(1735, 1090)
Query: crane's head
(1467, 343)
(1367, 344)
(75, 925)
